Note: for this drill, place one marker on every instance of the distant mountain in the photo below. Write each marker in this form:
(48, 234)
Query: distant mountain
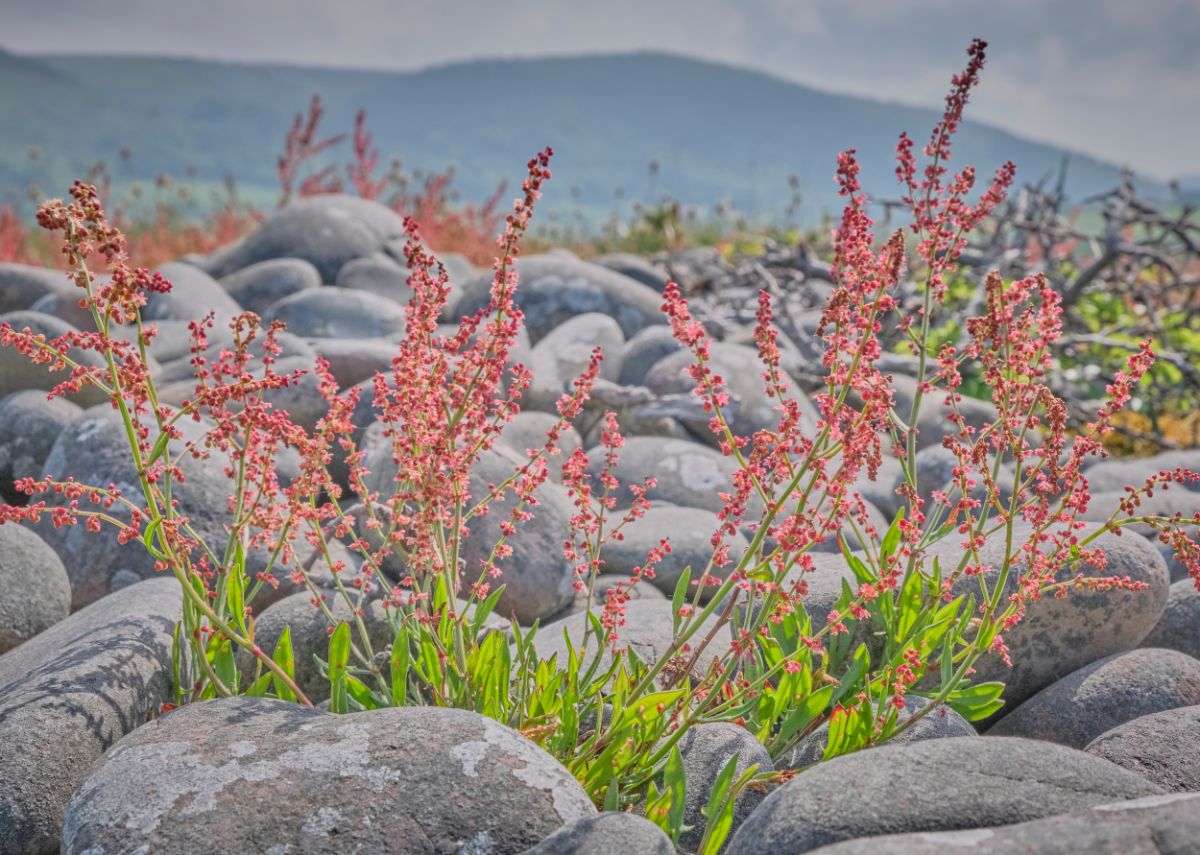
(717, 133)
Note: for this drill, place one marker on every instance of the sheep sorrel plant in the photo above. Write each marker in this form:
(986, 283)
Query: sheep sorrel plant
(767, 635)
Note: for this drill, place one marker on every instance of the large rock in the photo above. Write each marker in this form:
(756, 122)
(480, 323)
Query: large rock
(563, 354)
(941, 723)
(94, 450)
(527, 431)
(377, 274)
(538, 580)
(750, 409)
(1154, 825)
(690, 532)
(705, 750)
(338, 313)
(556, 287)
(606, 834)
(29, 424)
(353, 360)
(326, 231)
(1172, 502)
(1163, 747)
(193, 295)
(22, 285)
(635, 267)
(70, 693)
(1113, 476)
(35, 593)
(256, 775)
(1179, 626)
(17, 372)
(934, 785)
(686, 473)
(257, 287)
(643, 351)
(933, 423)
(1058, 636)
(1100, 696)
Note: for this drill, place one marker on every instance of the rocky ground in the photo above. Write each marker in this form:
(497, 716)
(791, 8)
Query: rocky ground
(1098, 749)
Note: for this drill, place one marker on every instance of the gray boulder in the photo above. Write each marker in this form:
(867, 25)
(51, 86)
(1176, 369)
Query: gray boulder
(29, 424)
(338, 313)
(528, 431)
(1153, 825)
(35, 593)
(377, 274)
(686, 472)
(1098, 697)
(22, 285)
(705, 750)
(71, 692)
(1113, 476)
(739, 367)
(94, 450)
(635, 267)
(933, 785)
(606, 834)
(537, 578)
(933, 423)
(563, 354)
(257, 287)
(1163, 747)
(643, 351)
(1059, 636)
(247, 774)
(326, 231)
(556, 287)
(690, 531)
(193, 295)
(600, 591)
(353, 360)
(1179, 626)
(18, 373)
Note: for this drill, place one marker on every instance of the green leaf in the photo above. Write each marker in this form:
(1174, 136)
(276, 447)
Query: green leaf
(400, 666)
(859, 667)
(177, 662)
(339, 658)
(977, 702)
(681, 589)
(676, 783)
(612, 796)
(284, 657)
(804, 714)
(719, 810)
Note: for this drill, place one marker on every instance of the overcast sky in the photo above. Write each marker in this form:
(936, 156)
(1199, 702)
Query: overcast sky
(1115, 78)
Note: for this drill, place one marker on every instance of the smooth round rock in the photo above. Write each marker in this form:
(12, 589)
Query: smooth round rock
(69, 693)
(1098, 697)
(257, 287)
(22, 285)
(94, 450)
(193, 295)
(690, 533)
(556, 287)
(947, 784)
(338, 313)
(537, 578)
(606, 834)
(326, 231)
(686, 472)
(1179, 626)
(635, 267)
(1153, 825)
(377, 274)
(750, 409)
(527, 431)
(248, 774)
(705, 750)
(29, 424)
(35, 592)
(1163, 747)
(564, 353)
(643, 351)
(1113, 476)
(1059, 636)
(18, 373)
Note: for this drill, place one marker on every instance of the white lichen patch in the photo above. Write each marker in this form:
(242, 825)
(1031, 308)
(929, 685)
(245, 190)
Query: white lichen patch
(243, 748)
(324, 822)
(480, 844)
(541, 773)
(469, 754)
